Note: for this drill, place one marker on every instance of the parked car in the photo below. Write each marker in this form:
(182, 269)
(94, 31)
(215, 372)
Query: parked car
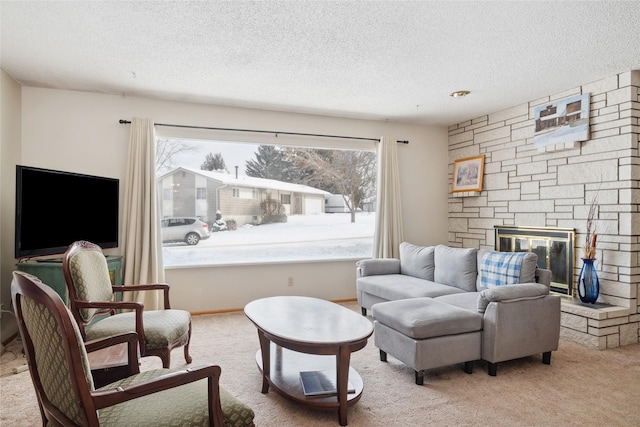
(184, 229)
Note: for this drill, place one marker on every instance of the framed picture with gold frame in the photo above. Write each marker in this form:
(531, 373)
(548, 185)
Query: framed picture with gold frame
(467, 174)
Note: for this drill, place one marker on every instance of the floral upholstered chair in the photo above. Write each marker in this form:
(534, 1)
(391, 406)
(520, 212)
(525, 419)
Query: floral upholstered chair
(60, 372)
(98, 313)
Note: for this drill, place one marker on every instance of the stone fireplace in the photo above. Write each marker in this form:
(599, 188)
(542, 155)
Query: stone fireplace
(599, 325)
(553, 186)
(554, 247)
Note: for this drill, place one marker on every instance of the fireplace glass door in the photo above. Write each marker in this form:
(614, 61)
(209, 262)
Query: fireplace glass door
(554, 247)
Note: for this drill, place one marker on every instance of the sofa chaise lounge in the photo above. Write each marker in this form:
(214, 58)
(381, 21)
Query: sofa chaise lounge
(441, 305)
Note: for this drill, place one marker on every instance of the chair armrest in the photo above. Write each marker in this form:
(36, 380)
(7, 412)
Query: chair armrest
(116, 305)
(106, 342)
(143, 287)
(138, 307)
(128, 338)
(104, 398)
(377, 266)
(146, 287)
(511, 293)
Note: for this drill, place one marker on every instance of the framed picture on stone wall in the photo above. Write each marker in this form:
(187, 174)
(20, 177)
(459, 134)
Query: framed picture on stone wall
(561, 122)
(467, 174)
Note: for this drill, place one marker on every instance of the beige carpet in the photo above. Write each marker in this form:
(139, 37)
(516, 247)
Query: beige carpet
(582, 387)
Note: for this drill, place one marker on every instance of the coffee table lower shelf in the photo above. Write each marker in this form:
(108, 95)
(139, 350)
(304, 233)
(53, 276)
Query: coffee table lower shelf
(286, 366)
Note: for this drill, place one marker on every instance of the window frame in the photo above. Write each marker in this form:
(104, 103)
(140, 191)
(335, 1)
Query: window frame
(324, 144)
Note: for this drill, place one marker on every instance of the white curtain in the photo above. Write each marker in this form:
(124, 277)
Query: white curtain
(141, 241)
(388, 234)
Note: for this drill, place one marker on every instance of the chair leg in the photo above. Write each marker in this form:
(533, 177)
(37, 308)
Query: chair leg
(419, 377)
(187, 356)
(493, 369)
(383, 356)
(165, 356)
(546, 358)
(364, 311)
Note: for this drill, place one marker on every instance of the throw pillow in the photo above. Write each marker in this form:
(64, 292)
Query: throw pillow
(416, 261)
(505, 268)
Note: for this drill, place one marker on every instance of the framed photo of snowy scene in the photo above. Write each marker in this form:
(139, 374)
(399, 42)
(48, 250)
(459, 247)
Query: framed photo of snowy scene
(467, 174)
(562, 122)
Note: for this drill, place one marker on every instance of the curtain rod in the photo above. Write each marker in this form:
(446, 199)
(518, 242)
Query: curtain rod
(276, 133)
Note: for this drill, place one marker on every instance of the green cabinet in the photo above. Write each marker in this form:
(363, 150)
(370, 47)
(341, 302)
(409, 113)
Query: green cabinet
(50, 273)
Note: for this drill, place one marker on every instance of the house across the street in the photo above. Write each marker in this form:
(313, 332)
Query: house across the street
(201, 193)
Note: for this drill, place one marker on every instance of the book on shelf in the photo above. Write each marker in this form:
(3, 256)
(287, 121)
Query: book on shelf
(321, 383)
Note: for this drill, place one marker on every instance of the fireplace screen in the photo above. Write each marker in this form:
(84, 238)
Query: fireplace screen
(554, 247)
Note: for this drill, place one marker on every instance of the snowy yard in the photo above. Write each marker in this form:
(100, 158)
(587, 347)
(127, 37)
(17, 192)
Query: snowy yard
(302, 237)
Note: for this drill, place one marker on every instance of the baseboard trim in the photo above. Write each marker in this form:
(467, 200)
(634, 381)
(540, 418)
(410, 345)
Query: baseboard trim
(235, 310)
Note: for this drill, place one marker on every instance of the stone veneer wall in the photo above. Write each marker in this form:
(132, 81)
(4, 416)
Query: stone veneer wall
(554, 187)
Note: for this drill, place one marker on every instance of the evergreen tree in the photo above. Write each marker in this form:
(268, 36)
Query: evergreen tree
(270, 163)
(214, 162)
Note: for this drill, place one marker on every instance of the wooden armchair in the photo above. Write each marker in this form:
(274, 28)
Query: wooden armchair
(98, 311)
(60, 372)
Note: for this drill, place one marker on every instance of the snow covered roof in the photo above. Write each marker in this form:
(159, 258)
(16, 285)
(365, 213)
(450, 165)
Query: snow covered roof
(251, 182)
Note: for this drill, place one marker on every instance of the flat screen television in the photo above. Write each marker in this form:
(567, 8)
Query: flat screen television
(56, 208)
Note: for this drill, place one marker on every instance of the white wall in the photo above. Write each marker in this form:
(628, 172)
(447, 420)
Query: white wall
(80, 132)
(10, 125)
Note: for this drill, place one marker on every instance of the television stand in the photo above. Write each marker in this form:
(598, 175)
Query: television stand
(49, 271)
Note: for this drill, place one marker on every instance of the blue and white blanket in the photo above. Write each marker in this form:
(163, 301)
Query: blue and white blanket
(500, 268)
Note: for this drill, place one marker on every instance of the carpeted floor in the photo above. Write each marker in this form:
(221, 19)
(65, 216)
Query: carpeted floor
(581, 387)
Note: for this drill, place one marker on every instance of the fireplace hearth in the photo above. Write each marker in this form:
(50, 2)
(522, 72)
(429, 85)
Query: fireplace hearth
(554, 247)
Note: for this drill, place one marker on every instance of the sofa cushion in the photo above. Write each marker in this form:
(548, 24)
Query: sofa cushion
(505, 268)
(466, 300)
(456, 267)
(417, 261)
(398, 286)
(422, 318)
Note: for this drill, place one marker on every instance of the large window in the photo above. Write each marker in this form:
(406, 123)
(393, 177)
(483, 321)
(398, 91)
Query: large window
(267, 203)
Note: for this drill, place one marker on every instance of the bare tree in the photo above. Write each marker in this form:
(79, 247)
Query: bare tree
(349, 173)
(166, 150)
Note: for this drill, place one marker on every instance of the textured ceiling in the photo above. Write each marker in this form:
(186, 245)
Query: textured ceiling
(379, 60)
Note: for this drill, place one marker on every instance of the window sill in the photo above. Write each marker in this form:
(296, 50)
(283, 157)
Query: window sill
(258, 263)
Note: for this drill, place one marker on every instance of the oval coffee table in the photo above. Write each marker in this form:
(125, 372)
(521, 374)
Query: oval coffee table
(308, 334)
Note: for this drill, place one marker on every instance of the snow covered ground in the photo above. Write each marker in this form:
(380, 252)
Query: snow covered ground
(302, 237)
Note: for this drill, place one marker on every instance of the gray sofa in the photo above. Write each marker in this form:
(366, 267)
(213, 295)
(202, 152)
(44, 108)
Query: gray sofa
(519, 315)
